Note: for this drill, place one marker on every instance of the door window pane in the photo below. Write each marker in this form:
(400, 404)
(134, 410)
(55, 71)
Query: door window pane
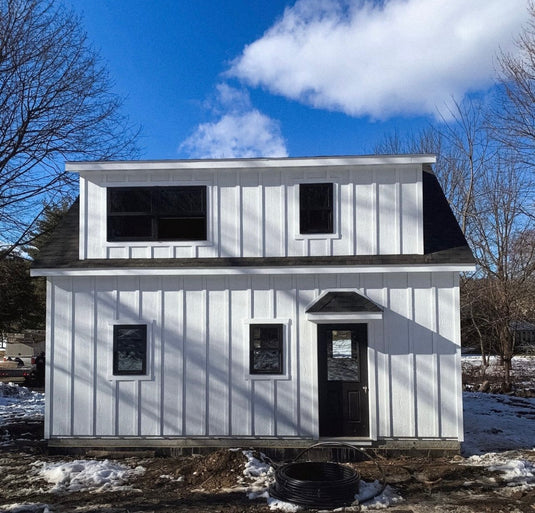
(342, 357)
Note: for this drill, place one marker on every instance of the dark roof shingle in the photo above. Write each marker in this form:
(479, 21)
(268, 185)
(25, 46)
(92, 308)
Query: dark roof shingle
(444, 243)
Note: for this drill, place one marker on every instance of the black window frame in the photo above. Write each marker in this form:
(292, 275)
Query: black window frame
(310, 209)
(115, 365)
(155, 213)
(253, 351)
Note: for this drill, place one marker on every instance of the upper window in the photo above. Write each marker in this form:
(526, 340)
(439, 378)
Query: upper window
(157, 213)
(266, 349)
(129, 349)
(316, 208)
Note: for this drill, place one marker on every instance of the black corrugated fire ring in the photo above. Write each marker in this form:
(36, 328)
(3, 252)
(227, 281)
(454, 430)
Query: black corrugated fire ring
(318, 484)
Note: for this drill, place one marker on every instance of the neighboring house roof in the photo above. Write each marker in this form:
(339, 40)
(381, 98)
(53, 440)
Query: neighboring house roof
(444, 243)
(343, 302)
(522, 326)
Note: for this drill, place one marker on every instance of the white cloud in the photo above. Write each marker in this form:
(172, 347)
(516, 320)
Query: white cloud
(240, 131)
(382, 58)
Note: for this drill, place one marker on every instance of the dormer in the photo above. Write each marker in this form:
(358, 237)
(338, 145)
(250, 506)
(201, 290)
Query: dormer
(336, 206)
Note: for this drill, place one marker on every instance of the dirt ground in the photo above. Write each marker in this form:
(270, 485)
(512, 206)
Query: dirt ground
(215, 483)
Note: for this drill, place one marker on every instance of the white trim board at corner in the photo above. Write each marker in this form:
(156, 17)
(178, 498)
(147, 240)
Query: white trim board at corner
(216, 271)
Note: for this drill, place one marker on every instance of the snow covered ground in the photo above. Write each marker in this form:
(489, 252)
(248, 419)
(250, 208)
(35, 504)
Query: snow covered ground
(19, 403)
(497, 423)
(497, 427)
(522, 373)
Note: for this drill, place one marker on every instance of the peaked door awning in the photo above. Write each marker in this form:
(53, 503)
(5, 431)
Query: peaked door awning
(343, 306)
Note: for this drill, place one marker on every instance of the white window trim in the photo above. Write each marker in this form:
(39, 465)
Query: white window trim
(285, 375)
(149, 375)
(296, 215)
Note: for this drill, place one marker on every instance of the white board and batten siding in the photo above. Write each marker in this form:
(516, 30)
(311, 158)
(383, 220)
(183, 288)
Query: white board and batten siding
(198, 384)
(253, 212)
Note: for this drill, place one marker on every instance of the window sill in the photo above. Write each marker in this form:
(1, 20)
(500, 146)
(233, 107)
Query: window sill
(267, 377)
(130, 378)
(317, 236)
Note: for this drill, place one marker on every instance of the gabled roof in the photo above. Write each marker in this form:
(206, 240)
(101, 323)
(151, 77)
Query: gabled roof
(343, 302)
(444, 243)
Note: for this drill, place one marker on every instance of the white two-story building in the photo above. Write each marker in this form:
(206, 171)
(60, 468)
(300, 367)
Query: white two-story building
(258, 301)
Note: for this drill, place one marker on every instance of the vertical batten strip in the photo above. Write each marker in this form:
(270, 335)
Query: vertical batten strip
(138, 401)
(207, 341)
(373, 397)
(299, 359)
(70, 373)
(82, 219)
(410, 360)
(354, 215)
(239, 221)
(419, 220)
(49, 358)
(163, 374)
(285, 220)
(399, 214)
(218, 228)
(457, 340)
(412, 334)
(230, 356)
(262, 221)
(95, 355)
(436, 361)
(376, 237)
(183, 409)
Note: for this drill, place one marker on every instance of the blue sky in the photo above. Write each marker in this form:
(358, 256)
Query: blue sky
(245, 78)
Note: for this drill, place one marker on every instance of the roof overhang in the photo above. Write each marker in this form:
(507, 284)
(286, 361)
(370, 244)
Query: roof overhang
(348, 306)
(254, 164)
(130, 269)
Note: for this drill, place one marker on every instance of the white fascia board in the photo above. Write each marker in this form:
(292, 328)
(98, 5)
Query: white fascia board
(327, 318)
(246, 164)
(216, 271)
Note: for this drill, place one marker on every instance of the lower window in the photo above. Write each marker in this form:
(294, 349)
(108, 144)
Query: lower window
(129, 349)
(266, 348)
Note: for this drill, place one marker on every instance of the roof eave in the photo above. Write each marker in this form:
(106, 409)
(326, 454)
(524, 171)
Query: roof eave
(254, 164)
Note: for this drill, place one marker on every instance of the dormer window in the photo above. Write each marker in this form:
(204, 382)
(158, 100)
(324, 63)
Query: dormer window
(157, 213)
(316, 208)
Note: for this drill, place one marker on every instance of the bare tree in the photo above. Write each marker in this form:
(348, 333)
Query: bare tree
(501, 238)
(458, 146)
(491, 193)
(514, 117)
(55, 104)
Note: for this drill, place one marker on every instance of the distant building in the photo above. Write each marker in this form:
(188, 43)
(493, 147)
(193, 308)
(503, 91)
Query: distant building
(524, 333)
(27, 343)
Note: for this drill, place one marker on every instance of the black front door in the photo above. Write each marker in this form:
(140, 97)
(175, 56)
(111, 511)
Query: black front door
(343, 379)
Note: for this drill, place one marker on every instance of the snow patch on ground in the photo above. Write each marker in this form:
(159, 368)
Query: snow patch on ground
(86, 475)
(26, 508)
(371, 496)
(19, 403)
(515, 472)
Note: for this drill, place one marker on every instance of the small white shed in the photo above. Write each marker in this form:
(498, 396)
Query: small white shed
(271, 301)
